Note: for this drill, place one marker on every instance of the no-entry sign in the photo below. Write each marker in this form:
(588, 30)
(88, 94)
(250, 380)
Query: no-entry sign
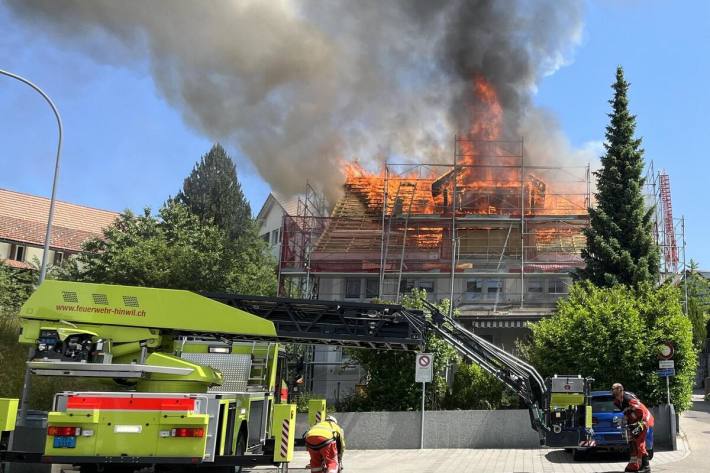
(424, 368)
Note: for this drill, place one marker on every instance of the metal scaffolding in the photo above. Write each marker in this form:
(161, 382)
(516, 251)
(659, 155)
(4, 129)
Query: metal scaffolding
(478, 224)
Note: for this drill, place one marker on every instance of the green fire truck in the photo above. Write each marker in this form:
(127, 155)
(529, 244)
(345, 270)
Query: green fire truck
(200, 374)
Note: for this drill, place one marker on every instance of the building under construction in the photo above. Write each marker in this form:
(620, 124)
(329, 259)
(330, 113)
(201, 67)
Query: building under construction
(494, 233)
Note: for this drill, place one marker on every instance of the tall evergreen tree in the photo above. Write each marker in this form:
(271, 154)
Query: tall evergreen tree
(213, 193)
(620, 245)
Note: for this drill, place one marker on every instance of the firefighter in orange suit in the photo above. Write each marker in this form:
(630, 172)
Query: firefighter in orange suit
(325, 442)
(638, 421)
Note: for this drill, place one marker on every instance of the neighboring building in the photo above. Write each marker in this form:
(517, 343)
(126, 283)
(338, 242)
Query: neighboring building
(23, 225)
(270, 219)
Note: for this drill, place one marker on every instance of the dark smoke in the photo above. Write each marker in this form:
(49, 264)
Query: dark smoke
(300, 85)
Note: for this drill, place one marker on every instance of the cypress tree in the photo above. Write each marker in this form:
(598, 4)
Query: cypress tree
(213, 193)
(620, 244)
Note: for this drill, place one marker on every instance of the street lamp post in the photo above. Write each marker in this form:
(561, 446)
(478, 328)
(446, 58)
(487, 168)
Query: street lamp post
(48, 235)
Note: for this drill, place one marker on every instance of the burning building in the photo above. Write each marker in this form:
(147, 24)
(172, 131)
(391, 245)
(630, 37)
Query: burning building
(494, 236)
(494, 230)
(497, 230)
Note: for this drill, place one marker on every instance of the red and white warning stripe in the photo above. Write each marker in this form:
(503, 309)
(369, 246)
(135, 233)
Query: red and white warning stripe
(284, 437)
(588, 443)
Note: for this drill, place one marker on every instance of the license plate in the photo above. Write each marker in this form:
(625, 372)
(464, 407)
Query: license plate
(64, 442)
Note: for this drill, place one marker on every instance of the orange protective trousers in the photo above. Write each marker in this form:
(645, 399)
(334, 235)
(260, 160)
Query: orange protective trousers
(637, 449)
(324, 456)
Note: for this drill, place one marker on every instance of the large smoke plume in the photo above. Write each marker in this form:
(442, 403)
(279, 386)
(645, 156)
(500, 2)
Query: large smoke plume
(298, 86)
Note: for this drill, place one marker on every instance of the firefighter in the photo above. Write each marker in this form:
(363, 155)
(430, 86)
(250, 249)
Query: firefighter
(638, 420)
(325, 442)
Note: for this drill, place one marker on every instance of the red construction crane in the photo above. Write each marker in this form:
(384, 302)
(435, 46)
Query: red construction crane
(670, 249)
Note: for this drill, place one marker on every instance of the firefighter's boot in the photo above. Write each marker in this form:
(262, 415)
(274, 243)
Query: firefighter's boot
(645, 466)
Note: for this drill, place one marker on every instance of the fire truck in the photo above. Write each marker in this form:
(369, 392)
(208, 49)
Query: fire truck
(199, 374)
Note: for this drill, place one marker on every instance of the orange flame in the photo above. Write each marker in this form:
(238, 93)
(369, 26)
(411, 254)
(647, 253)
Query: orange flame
(489, 181)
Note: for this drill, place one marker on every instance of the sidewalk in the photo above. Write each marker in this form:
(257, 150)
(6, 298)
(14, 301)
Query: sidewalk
(486, 461)
(692, 456)
(695, 427)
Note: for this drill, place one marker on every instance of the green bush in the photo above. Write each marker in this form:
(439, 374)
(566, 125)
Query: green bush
(15, 287)
(474, 388)
(613, 335)
(12, 370)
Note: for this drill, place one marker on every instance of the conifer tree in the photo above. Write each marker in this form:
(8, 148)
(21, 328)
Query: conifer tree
(620, 244)
(213, 193)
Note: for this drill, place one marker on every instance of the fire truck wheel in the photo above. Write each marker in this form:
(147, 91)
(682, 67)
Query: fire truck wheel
(578, 454)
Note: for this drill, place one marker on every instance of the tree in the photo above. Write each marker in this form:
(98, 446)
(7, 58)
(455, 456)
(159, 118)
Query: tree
(391, 386)
(16, 285)
(620, 246)
(213, 193)
(390, 383)
(174, 250)
(698, 303)
(474, 388)
(613, 335)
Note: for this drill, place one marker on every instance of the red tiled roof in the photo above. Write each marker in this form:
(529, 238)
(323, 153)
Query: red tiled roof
(23, 218)
(16, 264)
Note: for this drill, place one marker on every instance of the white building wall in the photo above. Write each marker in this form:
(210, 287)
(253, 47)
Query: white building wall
(334, 378)
(33, 255)
(4, 250)
(270, 228)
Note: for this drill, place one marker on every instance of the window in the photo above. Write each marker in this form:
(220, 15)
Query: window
(474, 285)
(265, 237)
(535, 286)
(427, 285)
(58, 258)
(406, 285)
(604, 404)
(389, 287)
(372, 288)
(275, 236)
(557, 286)
(493, 286)
(17, 252)
(488, 338)
(352, 288)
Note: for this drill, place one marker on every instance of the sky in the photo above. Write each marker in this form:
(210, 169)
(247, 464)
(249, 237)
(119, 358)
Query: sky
(126, 147)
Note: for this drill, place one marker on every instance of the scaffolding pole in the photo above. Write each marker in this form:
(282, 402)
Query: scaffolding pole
(382, 245)
(522, 224)
(404, 238)
(453, 227)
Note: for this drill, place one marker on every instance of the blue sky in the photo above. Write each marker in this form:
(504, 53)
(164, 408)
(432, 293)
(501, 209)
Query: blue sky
(125, 147)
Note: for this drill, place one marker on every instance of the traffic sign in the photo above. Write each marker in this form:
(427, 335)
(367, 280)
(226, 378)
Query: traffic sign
(666, 351)
(664, 364)
(424, 368)
(666, 372)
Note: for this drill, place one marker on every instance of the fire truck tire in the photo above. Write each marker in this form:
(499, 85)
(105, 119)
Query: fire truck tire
(578, 454)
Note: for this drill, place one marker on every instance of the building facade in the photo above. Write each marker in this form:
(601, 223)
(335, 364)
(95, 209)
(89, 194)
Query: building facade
(498, 235)
(23, 226)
